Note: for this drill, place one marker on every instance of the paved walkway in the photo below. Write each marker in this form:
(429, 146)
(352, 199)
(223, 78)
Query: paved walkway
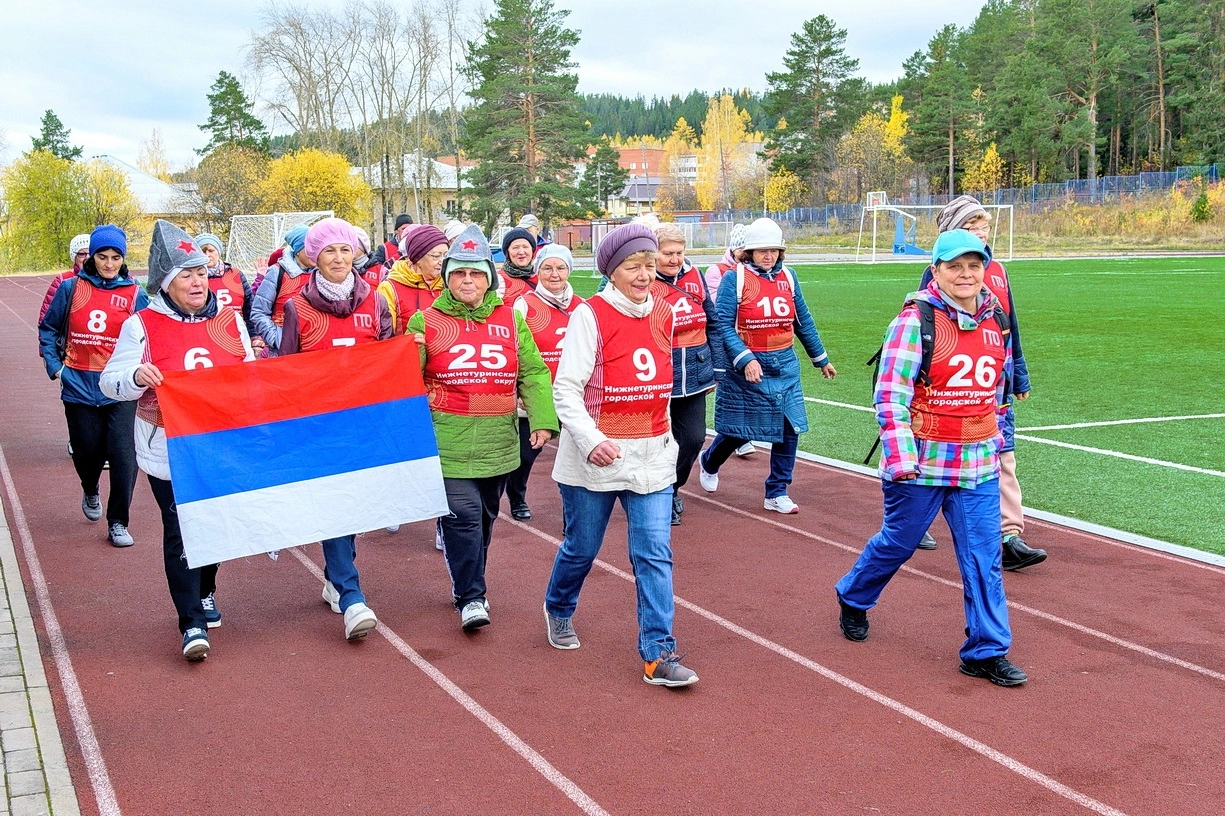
(36, 778)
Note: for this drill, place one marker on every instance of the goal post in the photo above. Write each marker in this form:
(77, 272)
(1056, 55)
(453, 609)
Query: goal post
(254, 237)
(879, 217)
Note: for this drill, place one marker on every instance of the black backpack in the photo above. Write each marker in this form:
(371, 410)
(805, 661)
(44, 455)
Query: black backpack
(927, 338)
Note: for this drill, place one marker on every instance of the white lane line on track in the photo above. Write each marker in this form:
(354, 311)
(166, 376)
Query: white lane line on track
(1014, 765)
(1029, 610)
(1130, 457)
(91, 752)
(1104, 423)
(555, 777)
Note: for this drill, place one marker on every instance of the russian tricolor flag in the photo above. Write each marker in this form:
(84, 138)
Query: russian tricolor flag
(291, 450)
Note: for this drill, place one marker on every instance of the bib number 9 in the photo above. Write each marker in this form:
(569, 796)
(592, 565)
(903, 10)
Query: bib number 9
(984, 371)
(645, 363)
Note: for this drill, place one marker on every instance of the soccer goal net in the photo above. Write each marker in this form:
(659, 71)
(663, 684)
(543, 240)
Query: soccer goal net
(890, 232)
(254, 237)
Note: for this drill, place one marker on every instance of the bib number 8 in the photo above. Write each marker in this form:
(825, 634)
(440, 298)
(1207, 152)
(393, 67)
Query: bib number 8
(984, 371)
(97, 321)
(645, 363)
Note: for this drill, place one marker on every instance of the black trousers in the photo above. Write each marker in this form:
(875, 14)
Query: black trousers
(187, 586)
(516, 482)
(466, 532)
(101, 433)
(689, 429)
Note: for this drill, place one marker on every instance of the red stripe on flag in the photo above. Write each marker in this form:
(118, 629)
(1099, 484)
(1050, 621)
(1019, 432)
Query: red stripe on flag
(298, 385)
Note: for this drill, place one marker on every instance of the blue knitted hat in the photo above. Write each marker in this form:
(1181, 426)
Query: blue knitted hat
(108, 236)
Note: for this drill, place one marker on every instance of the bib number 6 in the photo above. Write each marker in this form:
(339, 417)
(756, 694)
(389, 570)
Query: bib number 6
(984, 371)
(196, 358)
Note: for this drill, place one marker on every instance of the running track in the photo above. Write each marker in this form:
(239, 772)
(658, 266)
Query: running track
(1124, 711)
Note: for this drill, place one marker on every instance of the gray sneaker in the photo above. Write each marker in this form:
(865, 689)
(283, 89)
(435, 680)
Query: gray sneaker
(119, 535)
(91, 506)
(474, 615)
(561, 631)
(668, 671)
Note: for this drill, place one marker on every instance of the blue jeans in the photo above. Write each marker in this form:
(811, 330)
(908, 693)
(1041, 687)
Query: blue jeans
(974, 520)
(782, 458)
(338, 567)
(650, 549)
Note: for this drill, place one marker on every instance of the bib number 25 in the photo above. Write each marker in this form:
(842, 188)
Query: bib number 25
(491, 357)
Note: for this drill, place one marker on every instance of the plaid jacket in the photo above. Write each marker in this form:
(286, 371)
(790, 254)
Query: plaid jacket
(952, 464)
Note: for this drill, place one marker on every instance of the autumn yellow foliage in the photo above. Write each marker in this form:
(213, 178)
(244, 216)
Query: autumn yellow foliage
(309, 179)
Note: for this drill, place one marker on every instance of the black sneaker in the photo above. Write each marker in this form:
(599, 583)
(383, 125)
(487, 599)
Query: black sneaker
(212, 615)
(853, 622)
(927, 542)
(195, 644)
(677, 509)
(996, 669)
(520, 511)
(1018, 555)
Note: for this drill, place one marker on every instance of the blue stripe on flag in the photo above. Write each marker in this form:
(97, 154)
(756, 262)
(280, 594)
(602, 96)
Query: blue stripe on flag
(208, 465)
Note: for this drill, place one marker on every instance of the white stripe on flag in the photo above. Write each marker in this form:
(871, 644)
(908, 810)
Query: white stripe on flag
(274, 518)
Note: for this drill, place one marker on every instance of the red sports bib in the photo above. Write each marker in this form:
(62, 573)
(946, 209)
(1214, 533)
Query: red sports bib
(765, 316)
(409, 301)
(628, 392)
(288, 288)
(996, 279)
(548, 324)
(685, 297)
(959, 405)
(94, 319)
(317, 329)
(177, 345)
(471, 369)
(228, 288)
(516, 288)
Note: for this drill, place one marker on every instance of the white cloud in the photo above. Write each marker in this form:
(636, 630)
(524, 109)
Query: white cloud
(113, 71)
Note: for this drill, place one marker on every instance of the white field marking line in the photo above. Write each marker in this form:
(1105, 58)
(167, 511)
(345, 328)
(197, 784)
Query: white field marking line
(1104, 423)
(555, 777)
(1029, 610)
(1187, 556)
(19, 317)
(840, 404)
(1128, 456)
(1016, 766)
(91, 752)
(1132, 457)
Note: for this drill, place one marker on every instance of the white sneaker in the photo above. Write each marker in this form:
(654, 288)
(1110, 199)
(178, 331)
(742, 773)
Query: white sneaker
(395, 528)
(782, 504)
(438, 538)
(359, 619)
(331, 596)
(747, 449)
(474, 615)
(709, 481)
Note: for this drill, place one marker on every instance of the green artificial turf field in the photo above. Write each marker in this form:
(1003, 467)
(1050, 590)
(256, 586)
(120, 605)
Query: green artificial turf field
(1105, 340)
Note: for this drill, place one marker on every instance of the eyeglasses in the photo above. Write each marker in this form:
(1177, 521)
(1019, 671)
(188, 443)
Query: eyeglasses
(84, 252)
(436, 257)
(467, 273)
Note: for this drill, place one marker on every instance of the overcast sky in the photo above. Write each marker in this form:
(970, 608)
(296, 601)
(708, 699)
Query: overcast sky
(113, 71)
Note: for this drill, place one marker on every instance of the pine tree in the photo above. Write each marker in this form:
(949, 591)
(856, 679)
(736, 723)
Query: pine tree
(817, 95)
(945, 108)
(54, 138)
(230, 120)
(525, 128)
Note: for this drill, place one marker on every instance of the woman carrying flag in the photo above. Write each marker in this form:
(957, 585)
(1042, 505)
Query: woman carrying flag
(337, 307)
(185, 328)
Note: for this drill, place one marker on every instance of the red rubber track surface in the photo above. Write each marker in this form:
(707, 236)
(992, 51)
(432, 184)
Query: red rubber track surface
(1123, 713)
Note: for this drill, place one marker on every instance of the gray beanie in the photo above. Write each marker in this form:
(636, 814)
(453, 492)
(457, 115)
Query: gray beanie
(469, 250)
(171, 251)
(958, 211)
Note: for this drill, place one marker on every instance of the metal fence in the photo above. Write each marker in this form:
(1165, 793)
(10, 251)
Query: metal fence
(1035, 198)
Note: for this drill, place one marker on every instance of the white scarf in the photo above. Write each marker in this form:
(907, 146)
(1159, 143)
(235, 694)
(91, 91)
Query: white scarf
(562, 300)
(336, 292)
